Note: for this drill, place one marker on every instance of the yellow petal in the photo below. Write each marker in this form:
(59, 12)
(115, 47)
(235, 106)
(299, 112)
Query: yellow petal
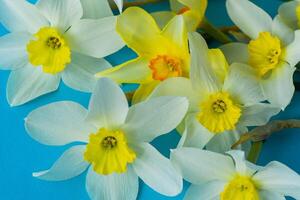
(218, 63)
(139, 31)
(133, 71)
(144, 91)
(194, 16)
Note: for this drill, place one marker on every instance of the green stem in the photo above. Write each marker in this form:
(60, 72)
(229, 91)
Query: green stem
(255, 151)
(214, 32)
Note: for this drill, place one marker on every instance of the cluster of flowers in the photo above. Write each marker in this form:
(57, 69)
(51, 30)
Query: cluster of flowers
(210, 96)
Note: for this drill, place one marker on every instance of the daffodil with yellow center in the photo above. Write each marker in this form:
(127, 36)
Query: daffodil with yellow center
(240, 188)
(49, 50)
(49, 42)
(219, 113)
(161, 53)
(265, 53)
(193, 12)
(232, 177)
(224, 99)
(109, 152)
(114, 142)
(272, 50)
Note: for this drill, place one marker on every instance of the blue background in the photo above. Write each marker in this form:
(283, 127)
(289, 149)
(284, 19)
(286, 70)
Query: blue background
(20, 155)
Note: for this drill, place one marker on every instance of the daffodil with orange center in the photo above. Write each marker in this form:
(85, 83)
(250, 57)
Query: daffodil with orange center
(224, 99)
(162, 54)
(232, 177)
(114, 142)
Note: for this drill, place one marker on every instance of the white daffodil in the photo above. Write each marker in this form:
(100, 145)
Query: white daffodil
(290, 14)
(273, 50)
(193, 12)
(117, 138)
(50, 41)
(223, 100)
(230, 177)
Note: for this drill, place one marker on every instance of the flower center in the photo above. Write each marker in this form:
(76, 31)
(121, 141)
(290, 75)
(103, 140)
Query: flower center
(109, 142)
(109, 152)
(218, 113)
(49, 50)
(164, 67)
(240, 188)
(183, 10)
(264, 53)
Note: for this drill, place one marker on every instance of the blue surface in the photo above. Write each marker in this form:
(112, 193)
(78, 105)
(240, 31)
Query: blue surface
(20, 155)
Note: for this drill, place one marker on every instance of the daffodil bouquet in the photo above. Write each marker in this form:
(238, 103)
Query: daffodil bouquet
(219, 100)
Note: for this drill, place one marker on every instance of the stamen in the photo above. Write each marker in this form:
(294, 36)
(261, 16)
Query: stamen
(109, 142)
(219, 106)
(54, 43)
(164, 67)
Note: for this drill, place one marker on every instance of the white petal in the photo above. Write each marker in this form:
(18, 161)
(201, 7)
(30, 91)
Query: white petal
(207, 191)
(69, 165)
(157, 171)
(97, 38)
(178, 86)
(248, 17)
(95, 9)
(243, 84)
(240, 161)
(286, 12)
(200, 166)
(279, 87)
(13, 50)
(292, 50)
(195, 134)
(269, 195)
(281, 29)
(20, 15)
(222, 142)
(61, 13)
(150, 119)
(108, 105)
(258, 114)
(201, 74)
(162, 18)
(28, 83)
(59, 123)
(119, 4)
(80, 74)
(235, 52)
(277, 177)
(112, 187)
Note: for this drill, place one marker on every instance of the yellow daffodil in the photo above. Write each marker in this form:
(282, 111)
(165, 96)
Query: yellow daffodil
(50, 41)
(161, 53)
(224, 99)
(115, 142)
(193, 12)
(273, 50)
(232, 177)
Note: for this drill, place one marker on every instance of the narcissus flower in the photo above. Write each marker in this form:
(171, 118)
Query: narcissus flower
(224, 99)
(50, 41)
(193, 12)
(161, 54)
(290, 14)
(272, 52)
(117, 142)
(231, 177)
